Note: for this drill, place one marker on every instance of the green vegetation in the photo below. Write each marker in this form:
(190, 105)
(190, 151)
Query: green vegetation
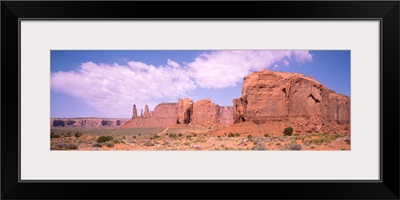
(78, 134)
(97, 145)
(109, 144)
(231, 135)
(288, 131)
(63, 146)
(117, 141)
(294, 147)
(102, 139)
(237, 134)
(52, 135)
(250, 137)
(153, 137)
(266, 135)
(324, 138)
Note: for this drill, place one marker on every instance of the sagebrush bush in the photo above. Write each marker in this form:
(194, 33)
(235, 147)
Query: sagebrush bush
(97, 145)
(288, 131)
(295, 147)
(250, 137)
(117, 141)
(109, 144)
(231, 135)
(64, 146)
(102, 139)
(52, 135)
(266, 135)
(78, 134)
(237, 134)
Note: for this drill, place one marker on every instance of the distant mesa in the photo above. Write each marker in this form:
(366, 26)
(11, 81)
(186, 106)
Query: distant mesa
(273, 99)
(87, 122)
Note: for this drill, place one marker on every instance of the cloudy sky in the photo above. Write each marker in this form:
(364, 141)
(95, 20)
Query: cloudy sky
(107, 83)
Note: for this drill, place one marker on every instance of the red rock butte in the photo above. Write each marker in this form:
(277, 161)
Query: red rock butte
(291, 99)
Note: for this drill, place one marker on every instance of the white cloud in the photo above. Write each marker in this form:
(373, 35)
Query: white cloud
(220, 69)
(172, 63)
(113, 89)
(285, 62)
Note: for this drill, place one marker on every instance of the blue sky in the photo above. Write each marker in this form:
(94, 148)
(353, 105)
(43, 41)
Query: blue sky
(106, 83)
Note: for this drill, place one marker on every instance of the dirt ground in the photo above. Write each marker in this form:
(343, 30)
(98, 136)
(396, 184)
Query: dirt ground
(233, 138)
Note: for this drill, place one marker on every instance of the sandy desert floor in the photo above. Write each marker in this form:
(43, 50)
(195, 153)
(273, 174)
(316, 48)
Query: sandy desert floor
(193, 138)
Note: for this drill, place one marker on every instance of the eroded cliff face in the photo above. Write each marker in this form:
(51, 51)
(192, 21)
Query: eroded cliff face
(205, 113)
(164, 115)
(185, 111)
(294, 99)
(226, 115)
(87, 122)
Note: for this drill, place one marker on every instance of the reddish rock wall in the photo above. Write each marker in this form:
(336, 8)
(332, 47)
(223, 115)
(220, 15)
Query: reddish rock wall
(205, 113)
(226, 115)
(185, 111)
(294, 99)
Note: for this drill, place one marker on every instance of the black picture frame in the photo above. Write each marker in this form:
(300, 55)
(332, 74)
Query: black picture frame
(386, 11)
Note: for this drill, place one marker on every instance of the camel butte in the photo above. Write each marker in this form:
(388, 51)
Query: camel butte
(276, 111)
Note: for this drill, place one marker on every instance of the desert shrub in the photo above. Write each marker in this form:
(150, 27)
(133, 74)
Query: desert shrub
(68, 134)
(102, 139)
(78, 134)
(288, 131)
(278, 144)
(237, 134)
(117, 141)
(259, 147)
(180, 135)
(231, 135)
(109, 144)
(155, 136)
(173, 135)
(52, 135)
(194, 135)
(97, 145)
(250, 137)
(219, 136)
(68, 146)
(188, 136)
(294, 147)
(266, 135)
(255, 142)
(134, 137)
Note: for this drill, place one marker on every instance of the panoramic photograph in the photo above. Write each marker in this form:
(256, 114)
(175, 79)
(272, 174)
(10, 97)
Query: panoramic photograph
(207, 100)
